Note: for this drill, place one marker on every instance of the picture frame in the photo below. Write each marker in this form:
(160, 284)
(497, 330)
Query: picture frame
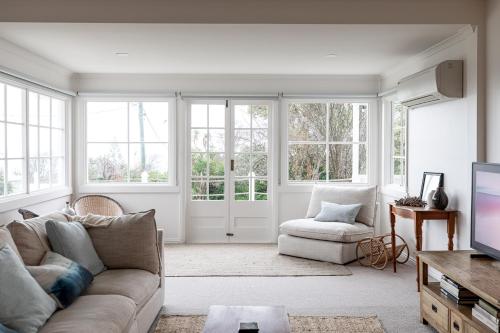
(430, 181)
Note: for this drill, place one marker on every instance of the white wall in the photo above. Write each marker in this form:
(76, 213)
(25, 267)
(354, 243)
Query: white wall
(442, 138)
(170, 206)
(493, 80)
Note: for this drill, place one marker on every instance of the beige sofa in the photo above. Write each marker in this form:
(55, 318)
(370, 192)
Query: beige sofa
(118, 300)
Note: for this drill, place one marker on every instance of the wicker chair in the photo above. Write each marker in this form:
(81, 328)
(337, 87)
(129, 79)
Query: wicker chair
(97, 204)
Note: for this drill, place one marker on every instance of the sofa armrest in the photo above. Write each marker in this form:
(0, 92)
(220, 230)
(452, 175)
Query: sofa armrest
(159, 235)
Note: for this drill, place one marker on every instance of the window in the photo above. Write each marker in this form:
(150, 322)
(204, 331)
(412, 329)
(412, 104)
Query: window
(32, 140)
(398, 144)
(328, 141)
(128, 141)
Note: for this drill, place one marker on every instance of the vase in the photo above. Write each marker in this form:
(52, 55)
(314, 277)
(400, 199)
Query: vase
(430, 205)
(68, 210)
(440, 199)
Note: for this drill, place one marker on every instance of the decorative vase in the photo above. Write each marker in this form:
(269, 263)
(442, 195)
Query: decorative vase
(440, 199)
(429, 199)
(68, 210)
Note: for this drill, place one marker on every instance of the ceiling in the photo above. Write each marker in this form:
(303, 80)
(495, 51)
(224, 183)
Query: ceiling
(225, 48)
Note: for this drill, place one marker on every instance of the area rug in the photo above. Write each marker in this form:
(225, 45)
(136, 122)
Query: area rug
(241, 260)
(298, 324)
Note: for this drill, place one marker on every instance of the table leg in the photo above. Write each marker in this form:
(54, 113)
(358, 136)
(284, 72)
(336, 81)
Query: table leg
(418, 238)
(393, 239)
(451, 230)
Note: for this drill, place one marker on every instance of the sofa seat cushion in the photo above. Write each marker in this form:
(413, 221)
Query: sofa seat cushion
(92, 314)
(136, 284)
(330, 231)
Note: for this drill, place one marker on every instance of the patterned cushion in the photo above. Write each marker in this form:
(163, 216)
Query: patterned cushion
(30, 237)
(64, 280)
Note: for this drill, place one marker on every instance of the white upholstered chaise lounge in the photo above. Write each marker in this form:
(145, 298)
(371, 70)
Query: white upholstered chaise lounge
(330, 241)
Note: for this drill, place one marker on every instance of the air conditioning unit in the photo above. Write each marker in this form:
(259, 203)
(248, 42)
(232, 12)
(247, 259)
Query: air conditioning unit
(436, 84)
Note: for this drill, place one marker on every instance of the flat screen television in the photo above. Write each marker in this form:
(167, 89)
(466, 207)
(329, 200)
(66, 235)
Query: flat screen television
(485, 222)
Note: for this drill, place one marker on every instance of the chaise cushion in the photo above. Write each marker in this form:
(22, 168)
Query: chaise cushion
(96, 313)
(136, 284)
(30, 237)
(364, 195)
(330, 231)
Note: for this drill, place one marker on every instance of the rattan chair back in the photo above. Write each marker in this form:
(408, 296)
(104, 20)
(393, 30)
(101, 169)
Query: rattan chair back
(97, 204)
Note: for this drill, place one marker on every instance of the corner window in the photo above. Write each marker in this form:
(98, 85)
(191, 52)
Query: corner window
(128, 141)
(398, 144)
(328, 141)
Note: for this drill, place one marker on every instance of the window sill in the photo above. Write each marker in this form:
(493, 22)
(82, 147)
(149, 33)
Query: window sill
(307, 187)
(128, 188)
(24, 200)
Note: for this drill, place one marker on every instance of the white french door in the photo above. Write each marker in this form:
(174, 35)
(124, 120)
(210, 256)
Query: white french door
(230, 171)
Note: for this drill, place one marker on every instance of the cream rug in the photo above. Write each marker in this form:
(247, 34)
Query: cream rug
(298, 324)
(241, 260)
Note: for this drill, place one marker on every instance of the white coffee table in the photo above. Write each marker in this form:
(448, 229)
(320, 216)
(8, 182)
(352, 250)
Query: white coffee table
(226, 319)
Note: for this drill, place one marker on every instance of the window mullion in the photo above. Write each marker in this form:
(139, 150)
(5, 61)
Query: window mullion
(128, 142)
(327, 145)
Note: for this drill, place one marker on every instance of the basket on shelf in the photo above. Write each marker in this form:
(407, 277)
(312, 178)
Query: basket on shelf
(377, 251)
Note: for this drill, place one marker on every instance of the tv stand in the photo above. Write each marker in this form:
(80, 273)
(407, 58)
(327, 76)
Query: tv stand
(479, 275)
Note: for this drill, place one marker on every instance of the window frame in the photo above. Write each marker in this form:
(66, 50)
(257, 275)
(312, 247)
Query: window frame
(126, 187)
(29, 197)
(389, 187)
(287, 185)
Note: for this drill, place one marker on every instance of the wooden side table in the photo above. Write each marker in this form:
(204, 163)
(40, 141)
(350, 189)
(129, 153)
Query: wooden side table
(419, 215)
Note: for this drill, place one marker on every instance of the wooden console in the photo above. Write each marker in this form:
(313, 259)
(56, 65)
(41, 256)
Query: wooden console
(481, 276)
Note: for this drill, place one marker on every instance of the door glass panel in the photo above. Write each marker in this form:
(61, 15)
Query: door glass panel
(207, 151)
(251, 145)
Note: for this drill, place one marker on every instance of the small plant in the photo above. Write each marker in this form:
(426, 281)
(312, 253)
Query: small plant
(410, 201)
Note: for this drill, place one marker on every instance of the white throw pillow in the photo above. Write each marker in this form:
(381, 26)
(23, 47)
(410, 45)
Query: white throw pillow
(332, 212)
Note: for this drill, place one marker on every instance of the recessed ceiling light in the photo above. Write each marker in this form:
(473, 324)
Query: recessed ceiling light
(331, 55)
(121, 54)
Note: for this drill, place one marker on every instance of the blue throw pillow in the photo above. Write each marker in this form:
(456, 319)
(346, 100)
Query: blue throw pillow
(4, 329)
(332, 212)
(63, 279)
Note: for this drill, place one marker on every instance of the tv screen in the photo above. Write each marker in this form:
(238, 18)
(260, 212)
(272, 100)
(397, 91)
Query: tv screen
(486, 209)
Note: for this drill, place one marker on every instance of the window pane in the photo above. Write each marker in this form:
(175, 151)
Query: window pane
(259, 140)
(44, 142)
(199, 190)
(44, 110)
(14, 141)
(15, 176)
(259, 116)
(216, 190)
(341, 118)
(199, 139)
(149, 121)
(33, 146)
(33, 108)
(307, 122)
(242, 164)
(33, 174)
(149, 162)
(363, 160)
(307, 162)
(397, 141)
(57, 171)
(99, 117)
(15, 101)
(260, 165)
(44, 172)
(107, 162)
(341, 164)
(242, 114)
(242, 141)
(260, 189)
(216, 140)
(216, 165)
(2, 140)
(58, 143)
(363, 122)
(242, 189)
(216, 114)
(2, 105)
(58, 108)
(2, 177)
(199, 115)
(199, 163)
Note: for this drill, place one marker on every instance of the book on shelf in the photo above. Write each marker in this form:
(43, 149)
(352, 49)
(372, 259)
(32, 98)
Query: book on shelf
(458, 293)
(492, 310)
(486, 314)
(461, 301)
(480, 316)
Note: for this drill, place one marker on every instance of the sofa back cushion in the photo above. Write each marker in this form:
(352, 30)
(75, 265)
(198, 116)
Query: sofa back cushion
(365, 195)
(127, 241)
(30, 237)
(6, 239)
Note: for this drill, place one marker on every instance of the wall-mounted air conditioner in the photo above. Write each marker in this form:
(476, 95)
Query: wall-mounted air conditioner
(436, 84)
